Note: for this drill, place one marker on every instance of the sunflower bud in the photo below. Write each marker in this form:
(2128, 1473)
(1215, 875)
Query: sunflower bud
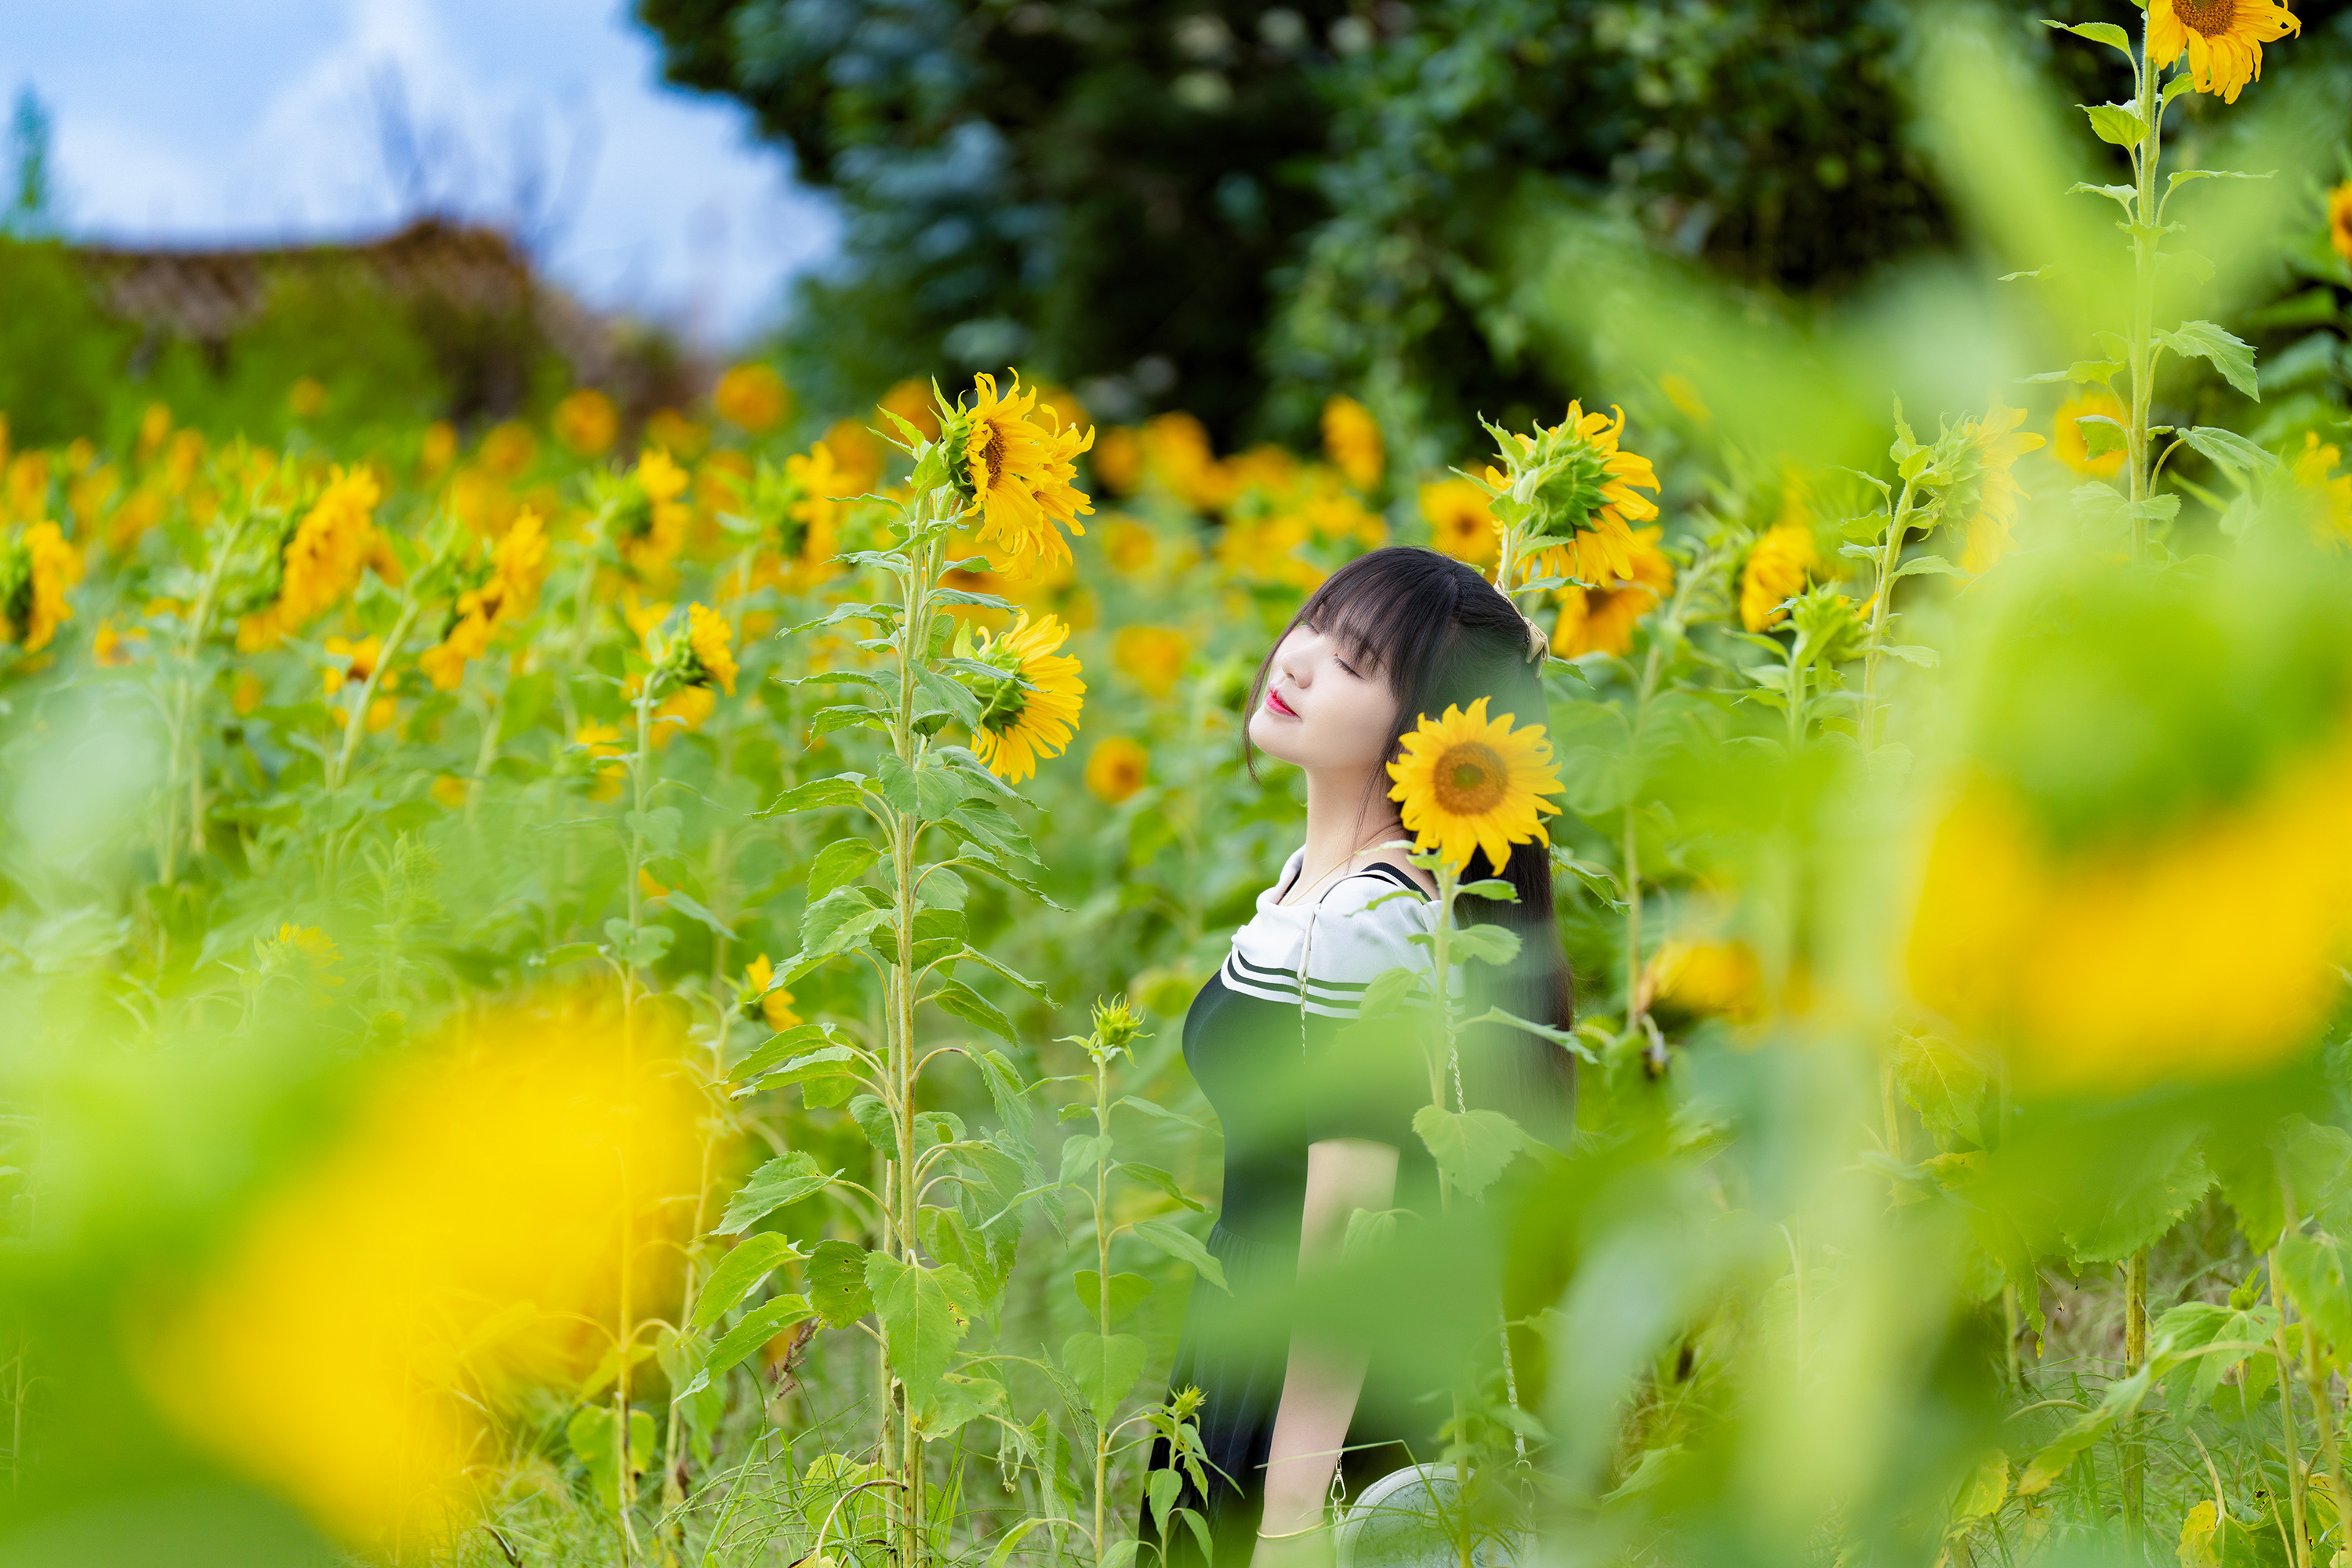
(1116, 1027)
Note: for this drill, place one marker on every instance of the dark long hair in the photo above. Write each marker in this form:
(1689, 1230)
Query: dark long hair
(1446, 637)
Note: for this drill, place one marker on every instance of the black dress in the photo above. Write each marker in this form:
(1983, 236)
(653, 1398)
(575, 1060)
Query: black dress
(1276, 1068)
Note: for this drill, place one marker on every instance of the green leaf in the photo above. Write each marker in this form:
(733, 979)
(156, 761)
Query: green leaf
(594, 1435)
(1103, 1369)
(959, 1399)
(2101, 434)
(2182, 177)
(2134, 1206)
(829, 1061)
(2228, 448)
(2118, 123)
(879, 615)
(1164, 1180)
(838, 863)
(782, 1048)
(695, 912)
(1491, 888)
(566, 952)
(954, 996)
(813, 795)
(2106, 33)
(761, 1324)
(786, 1180)
(2179, 85)
(924, 1313)
(2313, 1272)
(2231, 354)
(1924, 563)
(1083, 1154)
(1182, 1245)
(752, 1260)
(845, 715)
(658, 827)
(1488, 943)
(1471, 1147)
(1913, 653)
(873, 1118)
(837, 1277)
(2123, 1398)
(1127, 1292)
(2124, 195)
(834, 922)
(2084, 371)
(1944, 1084)
(896, 782)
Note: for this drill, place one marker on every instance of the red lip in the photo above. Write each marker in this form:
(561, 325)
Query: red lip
(1273, 701)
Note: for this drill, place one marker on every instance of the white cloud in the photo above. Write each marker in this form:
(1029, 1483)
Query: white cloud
(679, 216)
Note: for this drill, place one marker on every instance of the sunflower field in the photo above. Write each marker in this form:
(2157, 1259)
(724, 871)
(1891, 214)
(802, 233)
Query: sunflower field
(598, 991)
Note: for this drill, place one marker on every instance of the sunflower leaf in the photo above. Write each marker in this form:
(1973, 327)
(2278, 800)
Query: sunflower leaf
(2106, 33)
(955, 996)
(2228, 448)
(2183, 83)
(812, 795)
(1471, 1147)
(2231, 354)
(845, 715)
(2118, 123)
(2101, 434)
(2182, 177)
(1935, 563)
(2124, 195)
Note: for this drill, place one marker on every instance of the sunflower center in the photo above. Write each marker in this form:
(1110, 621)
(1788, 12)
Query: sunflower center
(2209, 18)
(1471, 779)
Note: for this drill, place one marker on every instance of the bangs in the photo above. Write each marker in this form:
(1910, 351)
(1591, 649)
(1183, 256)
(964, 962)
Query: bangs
(1376, 616)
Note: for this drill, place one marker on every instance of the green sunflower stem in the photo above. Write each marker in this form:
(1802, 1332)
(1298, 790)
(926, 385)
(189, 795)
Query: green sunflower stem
(2144, 348)
(1890, 555)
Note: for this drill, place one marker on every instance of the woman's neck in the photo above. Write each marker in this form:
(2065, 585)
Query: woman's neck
(1344, 813)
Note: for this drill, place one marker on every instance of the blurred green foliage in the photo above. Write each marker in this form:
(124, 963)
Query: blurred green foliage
(1235, 208)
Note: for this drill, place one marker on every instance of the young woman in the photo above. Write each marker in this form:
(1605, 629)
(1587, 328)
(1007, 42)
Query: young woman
(1318, 1122)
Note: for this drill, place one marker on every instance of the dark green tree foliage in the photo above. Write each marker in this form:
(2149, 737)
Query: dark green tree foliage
(1078, 186)
(1275, 203)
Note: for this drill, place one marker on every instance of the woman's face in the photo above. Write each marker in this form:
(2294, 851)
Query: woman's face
(1321, 708)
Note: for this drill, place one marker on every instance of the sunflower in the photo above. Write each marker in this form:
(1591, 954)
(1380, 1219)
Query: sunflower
(34, 577)
(1466, 782)
(1018, 725)
(586, 422)
(752, 396)
(1154, 656)
(708, 646)
(517, 566)
(1018, 473)
(2066, 441)
(359, 661)
(321, 561)
(1461, 523)
(1984, 498)
(647, 521)
(2330, 491)
(1601, 619)
(2339, 219)
(2223, 38)
(1775, 573)
(1352, 438)
(1117, 768)
(1573, 495)
(771, 1008)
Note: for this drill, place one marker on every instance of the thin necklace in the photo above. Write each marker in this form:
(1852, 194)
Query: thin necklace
(1300, 893)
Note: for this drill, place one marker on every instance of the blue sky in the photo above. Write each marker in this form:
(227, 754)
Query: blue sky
(244, 120)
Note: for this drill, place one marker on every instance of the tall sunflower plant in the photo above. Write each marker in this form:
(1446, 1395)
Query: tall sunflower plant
(945, 1204)
(2217, 50)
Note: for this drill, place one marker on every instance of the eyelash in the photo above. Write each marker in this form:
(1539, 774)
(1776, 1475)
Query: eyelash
(1343, 664)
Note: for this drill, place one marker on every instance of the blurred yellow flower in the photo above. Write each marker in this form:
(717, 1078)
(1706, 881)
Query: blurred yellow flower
(2315, 472)
(247, 694)
(1775, 572)
(1117, 768)
(1118, 461)
(2339, 219)
(856, 456)
(35, 570)
(674, 432)
(708, 642)
(911, 400)
(508, 449)
(1984, 496)
(504, 592)
(1351, 437)
(1020, 474)
(1685, 397)
(466, 1236)
(1154, 656)
(154, 424)
(1129, 546)
(2224, 39)
(2209, 950)
(752, 396)
(1177, 453)
(1601, 619)
(773, 1008)
(308, 398)
(646, 520)
(449, 790)
(111, 650)
(438, 448)
(25, 494)
(359, 661)
(1461, 523)
(604, 743)
(1018, 727)
(2066, 440)
(1466, 783)
(322, 560)
(1716, 976)
(586, 422)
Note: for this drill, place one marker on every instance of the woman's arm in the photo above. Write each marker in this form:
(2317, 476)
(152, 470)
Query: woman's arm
(1320, 1388)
